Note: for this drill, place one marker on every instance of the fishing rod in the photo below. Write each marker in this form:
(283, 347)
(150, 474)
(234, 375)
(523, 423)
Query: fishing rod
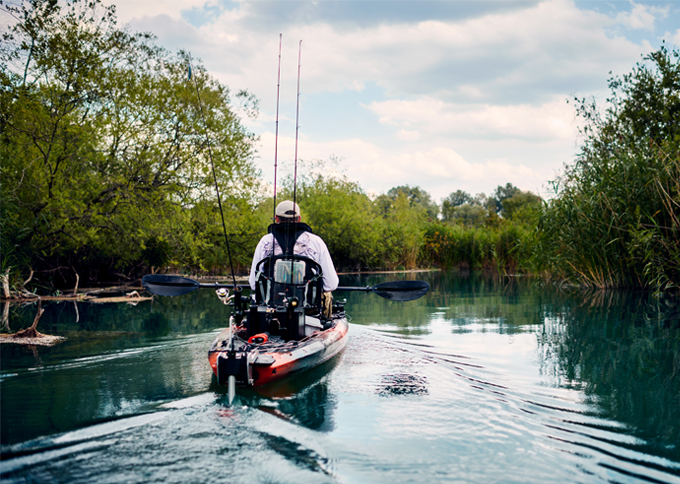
(297, 124)
(297, 129)
(238, 300)
(217, 188)
(276, 137)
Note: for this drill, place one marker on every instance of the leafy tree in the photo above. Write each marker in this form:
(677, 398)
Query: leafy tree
(501, 193)
(469, 214)
(615, 220)
(454, 200)
(404, 233)
(523, 207)
(417, 197)
(104, 145)
(342, 214)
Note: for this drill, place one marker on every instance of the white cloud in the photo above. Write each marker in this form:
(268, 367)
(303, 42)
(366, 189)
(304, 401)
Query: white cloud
(137, 9)
(410, 136)
(439, 169)
(641, 16)
(455, 103)
(674, 38)
(548, 121)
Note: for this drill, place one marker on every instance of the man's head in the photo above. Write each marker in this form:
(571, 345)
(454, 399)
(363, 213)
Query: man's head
(287, 211)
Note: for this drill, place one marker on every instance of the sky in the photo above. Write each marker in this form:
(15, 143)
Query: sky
(444, 95)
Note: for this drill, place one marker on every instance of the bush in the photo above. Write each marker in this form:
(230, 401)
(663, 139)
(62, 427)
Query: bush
(615, 218)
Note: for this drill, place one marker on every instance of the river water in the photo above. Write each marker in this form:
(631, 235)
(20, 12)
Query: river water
(481, 381)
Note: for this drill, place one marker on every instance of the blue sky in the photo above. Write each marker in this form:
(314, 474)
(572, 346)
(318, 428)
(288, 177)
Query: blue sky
(445, 95)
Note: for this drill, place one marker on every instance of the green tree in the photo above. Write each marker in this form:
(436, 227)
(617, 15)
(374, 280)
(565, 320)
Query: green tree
(469, 214)
(522, 207)
(342, 214)
(501, 193)
(454, 200)
(417, 197)
(104, 146)
(615, 220)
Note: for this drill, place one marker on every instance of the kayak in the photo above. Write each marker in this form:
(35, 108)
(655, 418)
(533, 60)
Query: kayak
(264, 358)
(281, 328)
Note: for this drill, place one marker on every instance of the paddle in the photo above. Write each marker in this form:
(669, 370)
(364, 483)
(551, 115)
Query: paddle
(164, 285)
(394, 291)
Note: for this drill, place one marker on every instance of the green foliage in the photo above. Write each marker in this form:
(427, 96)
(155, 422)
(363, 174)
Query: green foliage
(341, 214)
(104, 146)
(522, 207)
(615, 218)
(416, 196)
(506, 248)
(454, 200)
(468, 214)
(504, 192)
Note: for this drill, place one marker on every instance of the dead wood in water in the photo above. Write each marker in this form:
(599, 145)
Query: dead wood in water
(31, 332)
(31, 336)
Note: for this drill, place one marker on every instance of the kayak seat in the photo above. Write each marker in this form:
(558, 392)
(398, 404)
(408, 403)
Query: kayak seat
(282, 277)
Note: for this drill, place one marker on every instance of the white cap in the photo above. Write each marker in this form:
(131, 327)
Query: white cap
(287, 209)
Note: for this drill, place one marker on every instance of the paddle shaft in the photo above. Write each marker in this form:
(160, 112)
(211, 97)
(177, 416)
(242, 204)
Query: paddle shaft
(354, 288)
(167, 285)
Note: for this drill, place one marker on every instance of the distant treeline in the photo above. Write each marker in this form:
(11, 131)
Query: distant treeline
(106, 142)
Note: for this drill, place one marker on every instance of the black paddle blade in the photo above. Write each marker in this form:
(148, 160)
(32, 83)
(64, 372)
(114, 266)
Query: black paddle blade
(163, 285)
(401, 290)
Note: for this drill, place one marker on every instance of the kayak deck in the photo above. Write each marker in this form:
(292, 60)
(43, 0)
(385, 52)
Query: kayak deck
(258, 363)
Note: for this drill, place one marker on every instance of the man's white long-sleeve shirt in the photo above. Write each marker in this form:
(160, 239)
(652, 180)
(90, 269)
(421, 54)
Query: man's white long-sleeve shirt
(307, 245)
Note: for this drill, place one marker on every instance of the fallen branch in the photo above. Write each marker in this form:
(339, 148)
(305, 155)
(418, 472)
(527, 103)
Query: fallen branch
(30, 276)
(31, 332)
(75, 290)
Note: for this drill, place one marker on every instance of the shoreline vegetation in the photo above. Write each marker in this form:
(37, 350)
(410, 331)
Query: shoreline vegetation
(104, 158)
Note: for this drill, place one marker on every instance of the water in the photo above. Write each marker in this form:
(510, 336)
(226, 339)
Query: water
(480, 381)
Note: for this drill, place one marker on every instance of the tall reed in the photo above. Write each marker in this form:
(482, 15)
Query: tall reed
(506, 248)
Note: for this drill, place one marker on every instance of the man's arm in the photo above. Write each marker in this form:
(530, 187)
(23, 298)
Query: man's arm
(330, 277)
(257, 257)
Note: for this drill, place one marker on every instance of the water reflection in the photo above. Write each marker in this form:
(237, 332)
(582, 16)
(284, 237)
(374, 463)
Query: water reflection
(117, 360)
(484, 379)
(304, 398)
(622, 349)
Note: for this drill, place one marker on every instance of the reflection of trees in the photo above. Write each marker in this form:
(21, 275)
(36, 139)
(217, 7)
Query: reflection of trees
(624, 350)
(92, 375)
(188, 314)
(458, 297)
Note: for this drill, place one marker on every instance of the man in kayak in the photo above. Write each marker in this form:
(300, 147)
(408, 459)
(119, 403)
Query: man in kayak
(306, 243)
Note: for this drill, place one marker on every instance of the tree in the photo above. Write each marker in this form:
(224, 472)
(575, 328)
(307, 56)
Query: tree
(417, 197)
(522, 207)
(454, 200)
(340, 212)
(104, 144)
(501, 193)
(469, 214)
(615, 219)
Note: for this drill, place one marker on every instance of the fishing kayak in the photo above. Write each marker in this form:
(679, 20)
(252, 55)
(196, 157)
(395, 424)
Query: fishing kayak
(265, 358)
(281, 328)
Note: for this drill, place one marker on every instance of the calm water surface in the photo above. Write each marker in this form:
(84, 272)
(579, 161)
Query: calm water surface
(480, 381)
